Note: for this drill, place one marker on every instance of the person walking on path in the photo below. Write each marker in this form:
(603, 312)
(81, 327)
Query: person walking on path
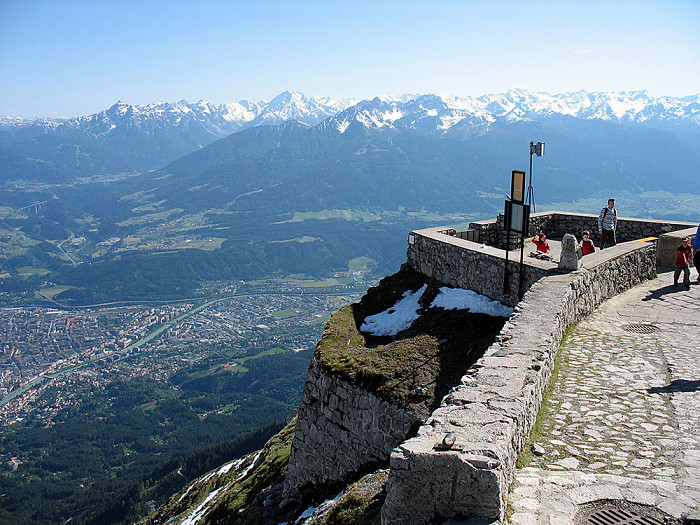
(696, 249)
(607, 224)
(683, 258)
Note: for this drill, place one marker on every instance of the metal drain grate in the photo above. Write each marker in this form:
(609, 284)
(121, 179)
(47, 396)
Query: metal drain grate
(640, 328)
(615, 516)
(621, 512)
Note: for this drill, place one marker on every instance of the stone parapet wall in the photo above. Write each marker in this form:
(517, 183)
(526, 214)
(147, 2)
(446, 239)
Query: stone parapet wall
(465, 264)
(447, 256)
(557, 222)
(492, 410)
(341, 430)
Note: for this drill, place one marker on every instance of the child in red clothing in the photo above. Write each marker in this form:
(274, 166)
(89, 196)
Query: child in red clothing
(683, 258)
(586, 243)
(540, 241)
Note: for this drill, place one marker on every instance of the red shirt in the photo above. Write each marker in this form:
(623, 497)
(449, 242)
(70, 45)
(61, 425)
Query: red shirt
(685, 255)
(542, 246)
(587, 247)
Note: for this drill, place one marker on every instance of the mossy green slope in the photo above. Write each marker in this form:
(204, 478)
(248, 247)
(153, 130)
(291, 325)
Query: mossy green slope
(226, 494)
(415, 368)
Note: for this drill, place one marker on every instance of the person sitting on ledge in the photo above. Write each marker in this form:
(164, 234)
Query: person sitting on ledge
(540, 241)
(586, 243)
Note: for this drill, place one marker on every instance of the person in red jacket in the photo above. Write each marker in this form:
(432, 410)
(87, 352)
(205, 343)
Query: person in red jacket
(542, 245)
(586, 243)
(683, 258)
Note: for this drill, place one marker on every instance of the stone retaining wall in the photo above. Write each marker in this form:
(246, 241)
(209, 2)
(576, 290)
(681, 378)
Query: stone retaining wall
(465, 264)
(557, 222)
(341, 430)
(447, 256)
(492, 411)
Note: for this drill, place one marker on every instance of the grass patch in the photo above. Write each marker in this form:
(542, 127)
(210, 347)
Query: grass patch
(360, 504)
(264, 470)
(32, 270)
(131, 241)
(290, 313)
(525, 457)
(148, 207)
(324, 215)
(271, 351)
(53, 291)
(318, 283)
(360, 263)
(7, 212)
(208, 244)
(300, 240)
(215, 370)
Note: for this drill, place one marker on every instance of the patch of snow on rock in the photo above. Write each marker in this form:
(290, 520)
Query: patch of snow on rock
(460, 299)
(397, 318)
(200, 510)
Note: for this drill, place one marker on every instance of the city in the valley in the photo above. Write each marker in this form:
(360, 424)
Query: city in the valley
(52, 358)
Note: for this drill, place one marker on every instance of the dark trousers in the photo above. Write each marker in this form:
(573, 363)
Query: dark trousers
(686, 274)
(608, 238)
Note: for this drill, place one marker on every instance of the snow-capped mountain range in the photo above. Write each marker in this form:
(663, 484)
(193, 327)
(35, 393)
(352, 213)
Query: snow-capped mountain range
(219, 120)
(130, 139)
(430, 113)
(436, 114)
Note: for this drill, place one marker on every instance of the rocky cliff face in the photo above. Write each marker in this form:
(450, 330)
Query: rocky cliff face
(342, 430)
(364, 395)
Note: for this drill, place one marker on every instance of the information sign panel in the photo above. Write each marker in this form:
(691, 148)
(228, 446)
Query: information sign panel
(517, 217)
(517, 186)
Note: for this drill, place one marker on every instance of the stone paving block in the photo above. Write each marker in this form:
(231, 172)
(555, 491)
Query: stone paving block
(560, 520)
(674, 508)
(623, 396)
(641, 497)
(523, 518)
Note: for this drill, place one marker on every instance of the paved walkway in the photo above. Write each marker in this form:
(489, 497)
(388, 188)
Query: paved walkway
(623, 419)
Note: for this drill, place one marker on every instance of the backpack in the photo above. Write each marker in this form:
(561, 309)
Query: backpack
(605, 212)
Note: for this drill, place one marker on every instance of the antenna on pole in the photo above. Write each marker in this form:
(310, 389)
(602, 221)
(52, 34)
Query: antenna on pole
(535, 149)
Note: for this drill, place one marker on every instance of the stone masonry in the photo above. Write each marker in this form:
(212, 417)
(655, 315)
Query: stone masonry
(492, 411)
(474, 259)
(491, 232)
(469, 265)
(622, 420)
(341, 431)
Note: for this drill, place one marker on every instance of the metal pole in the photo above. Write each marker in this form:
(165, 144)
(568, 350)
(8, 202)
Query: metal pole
(506, 281)
(530, 192)
(522, 249)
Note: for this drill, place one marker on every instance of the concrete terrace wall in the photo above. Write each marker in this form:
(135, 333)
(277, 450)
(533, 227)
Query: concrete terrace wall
(493, 409)
(341, 430)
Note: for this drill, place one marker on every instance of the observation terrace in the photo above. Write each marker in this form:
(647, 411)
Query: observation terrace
(490, 414)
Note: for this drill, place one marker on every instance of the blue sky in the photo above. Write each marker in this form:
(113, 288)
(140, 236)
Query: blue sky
(77, 57)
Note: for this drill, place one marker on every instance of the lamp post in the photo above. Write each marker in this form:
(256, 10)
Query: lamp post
(535, 149)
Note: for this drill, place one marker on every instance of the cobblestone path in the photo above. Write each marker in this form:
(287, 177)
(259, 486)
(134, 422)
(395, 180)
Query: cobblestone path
(623, 418)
